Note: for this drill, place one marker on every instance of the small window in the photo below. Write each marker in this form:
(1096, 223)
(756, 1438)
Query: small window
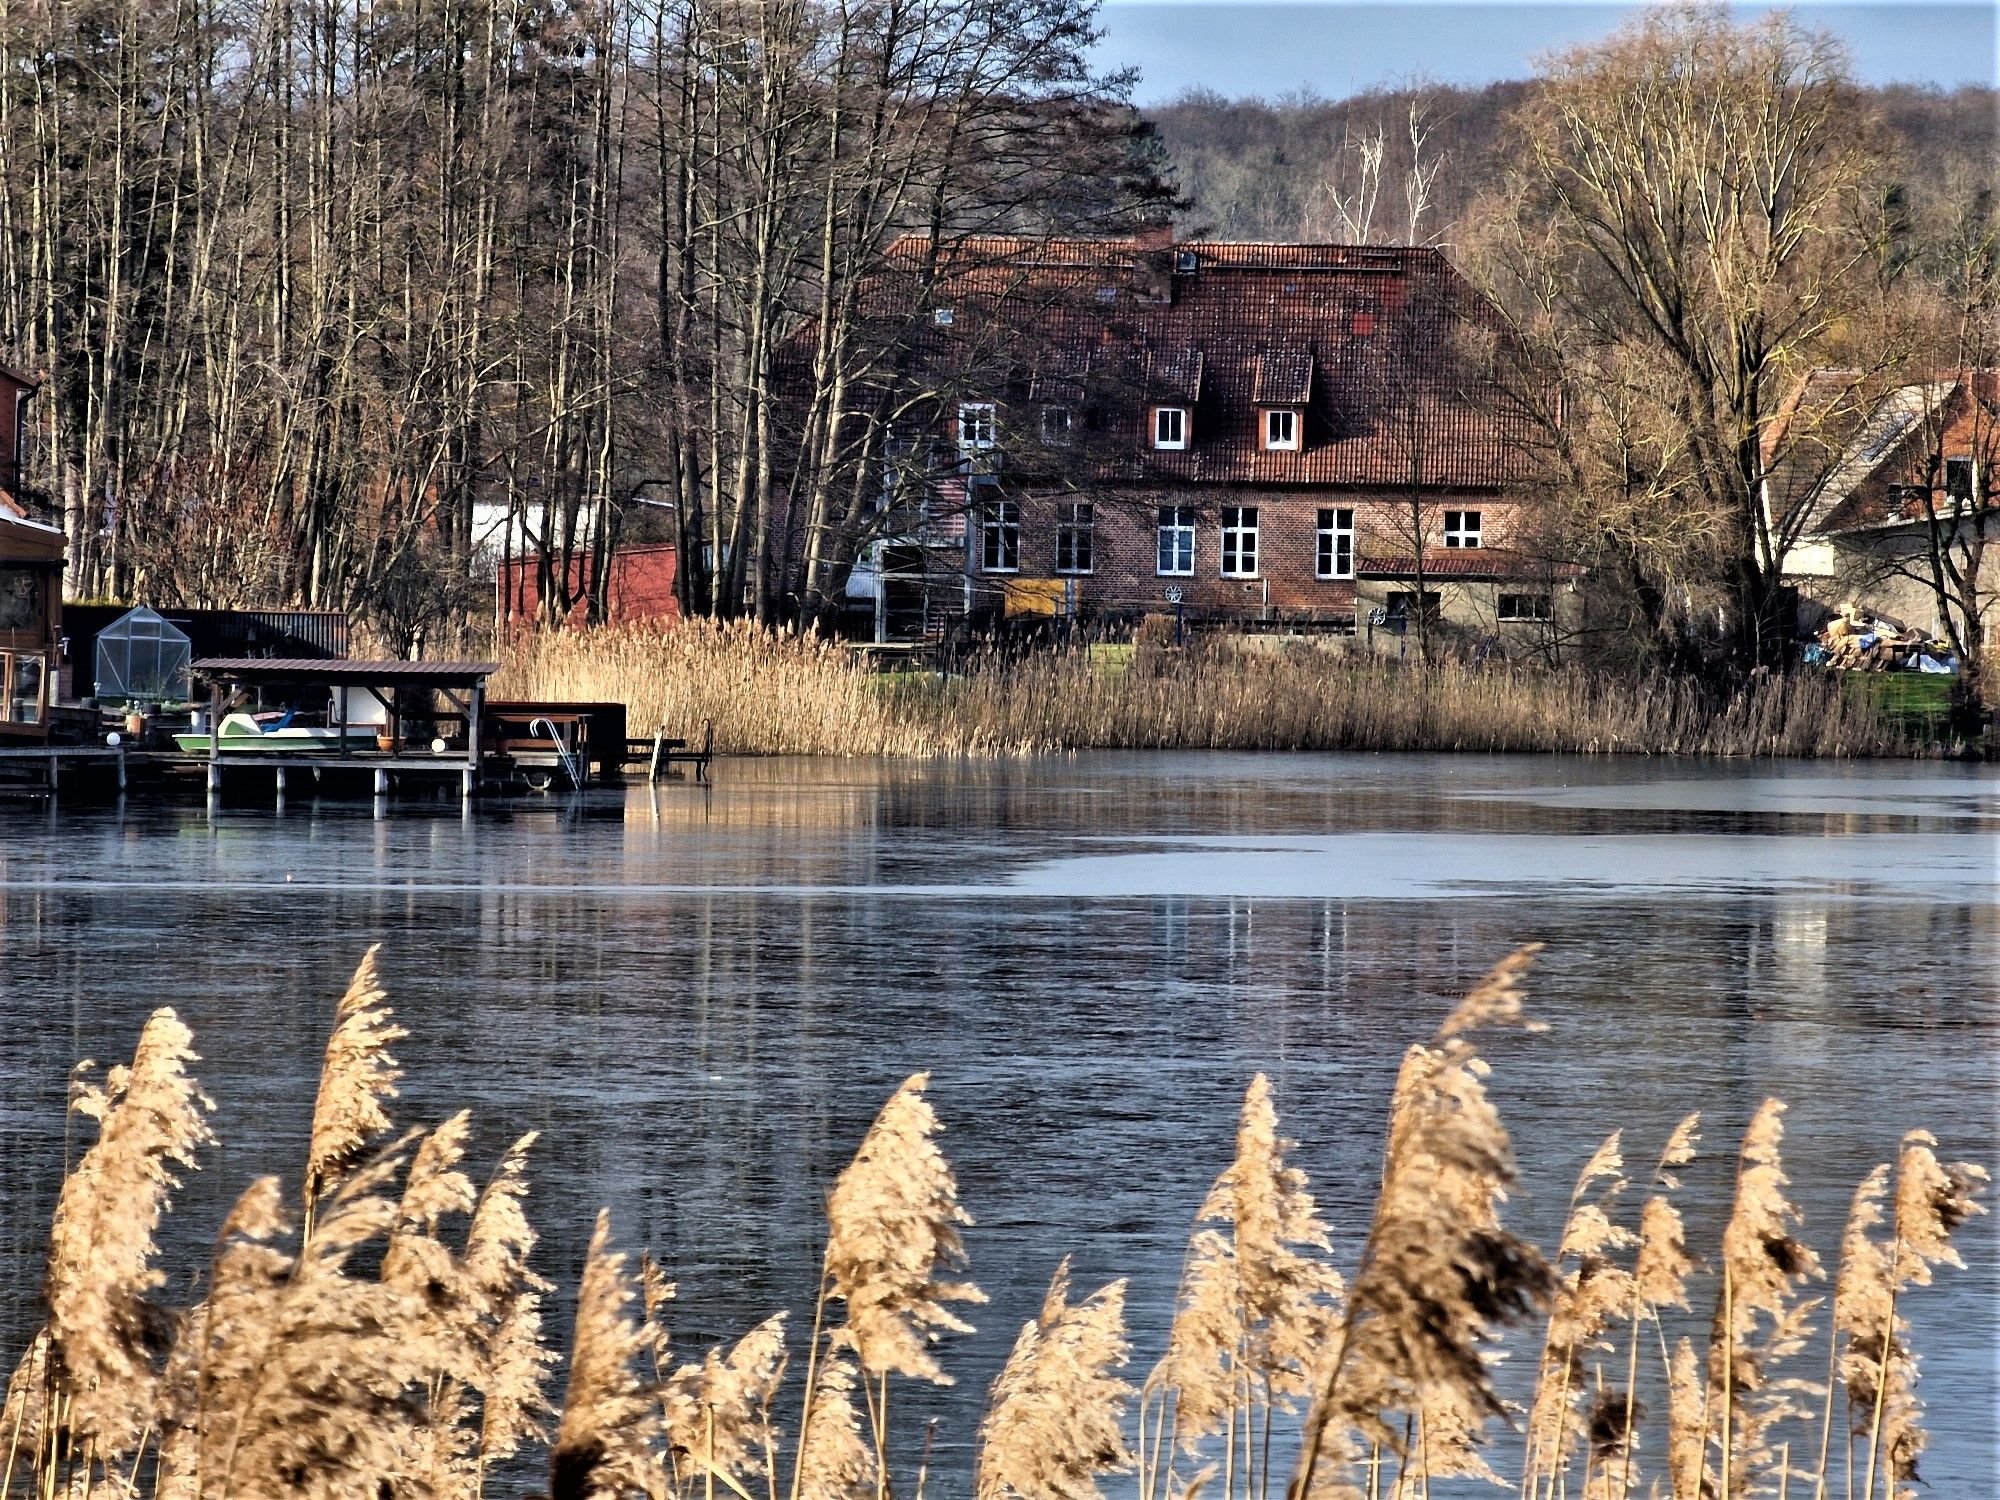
(1187, 260)
(1402, 603)
(941, 316)
(1526, 607)
(976, 425)
(1170, 427)
(1000, 536)
(1281, 428)
(1336, 544)
(1961, 477)
(1075, 525)
(1176, 541)
(1107, 294)
(1461, 528)
(1239, 541)
(21, 689)
(1057, 423)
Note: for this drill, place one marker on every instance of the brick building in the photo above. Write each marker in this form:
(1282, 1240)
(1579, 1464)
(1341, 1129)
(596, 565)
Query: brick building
(1890, 492)
(15, 391)
(1245, 434)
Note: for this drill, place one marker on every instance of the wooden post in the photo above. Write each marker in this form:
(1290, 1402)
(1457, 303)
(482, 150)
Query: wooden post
(215, 735)
(381, 781)
(121, 765)
(474, 732)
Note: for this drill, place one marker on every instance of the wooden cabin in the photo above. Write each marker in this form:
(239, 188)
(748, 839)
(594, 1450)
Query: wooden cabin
(31, 564)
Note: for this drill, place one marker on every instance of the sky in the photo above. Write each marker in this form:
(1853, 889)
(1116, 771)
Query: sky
(1341, 47)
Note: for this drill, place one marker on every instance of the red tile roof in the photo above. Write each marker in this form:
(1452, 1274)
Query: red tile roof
(1385, 350)
(1468, 562)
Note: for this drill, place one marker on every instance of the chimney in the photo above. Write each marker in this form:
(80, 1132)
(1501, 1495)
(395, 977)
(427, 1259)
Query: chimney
(1154, 268)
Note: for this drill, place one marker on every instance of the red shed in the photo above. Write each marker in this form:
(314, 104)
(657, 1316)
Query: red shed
(639, 584)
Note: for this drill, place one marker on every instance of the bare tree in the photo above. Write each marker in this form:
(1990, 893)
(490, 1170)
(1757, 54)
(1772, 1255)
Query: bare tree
(1702, 178)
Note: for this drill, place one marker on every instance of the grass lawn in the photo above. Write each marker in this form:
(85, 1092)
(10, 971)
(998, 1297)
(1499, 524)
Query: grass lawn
(1914, 697)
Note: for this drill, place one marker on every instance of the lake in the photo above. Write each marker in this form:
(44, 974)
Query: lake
(701, 995)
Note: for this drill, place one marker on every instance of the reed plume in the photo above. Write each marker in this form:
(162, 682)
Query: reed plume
(1055, 1421)
(893, 1223)
(835, 1461)
(718, 1412)
(1591, 1292)
(1440, 1274)
(357, 1075)
(1689, 1476)
(106, 1335)
(1198, 1368)
(1290, 1300)
(604, 1443)
(312, 1380)
(513, 1404)
(420, 1265)
(416, 1260)
(1879, 1369)
(1758, 1322)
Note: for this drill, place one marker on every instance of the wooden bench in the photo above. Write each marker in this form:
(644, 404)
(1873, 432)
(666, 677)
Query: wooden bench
(662, 752)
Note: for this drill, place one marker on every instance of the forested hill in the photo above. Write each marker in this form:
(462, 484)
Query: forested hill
(1285, 169)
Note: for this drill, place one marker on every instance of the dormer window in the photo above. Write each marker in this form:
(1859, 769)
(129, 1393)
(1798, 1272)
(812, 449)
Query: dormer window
(1170, 427)
(1961, 478)
(977, 427)
(1057, 423)
(1281, 429)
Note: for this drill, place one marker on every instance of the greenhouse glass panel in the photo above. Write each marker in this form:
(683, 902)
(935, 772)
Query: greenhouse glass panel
(142, 658)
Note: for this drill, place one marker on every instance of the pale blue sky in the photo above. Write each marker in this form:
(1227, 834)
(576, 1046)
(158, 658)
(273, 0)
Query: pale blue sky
(1340, 47)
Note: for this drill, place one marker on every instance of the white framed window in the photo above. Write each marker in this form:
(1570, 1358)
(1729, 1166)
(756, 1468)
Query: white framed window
(977, 425)
(1281, 429)
(1057, 424)
(1461, 528)
(1335, 557)
(1239, 541)
(1170, 424)
(1176, 541)
(1526, 607)
(1961, 477)
(1000, 536)
(1076, 526)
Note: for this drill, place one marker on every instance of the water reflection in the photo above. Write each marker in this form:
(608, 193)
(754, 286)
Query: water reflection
(700, 995)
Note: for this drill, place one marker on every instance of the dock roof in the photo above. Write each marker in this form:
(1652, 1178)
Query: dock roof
(342, 670)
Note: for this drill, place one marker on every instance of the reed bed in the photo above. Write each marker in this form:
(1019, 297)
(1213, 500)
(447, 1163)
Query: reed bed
(774, 694)
(396, 1349)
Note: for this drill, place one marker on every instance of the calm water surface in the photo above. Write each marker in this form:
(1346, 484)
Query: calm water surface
(700, 997)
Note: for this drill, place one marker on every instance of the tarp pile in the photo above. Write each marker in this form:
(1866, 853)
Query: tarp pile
(1864, 642)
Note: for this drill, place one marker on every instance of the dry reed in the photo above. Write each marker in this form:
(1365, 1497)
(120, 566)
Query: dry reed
(1055, 1423)
(375, 1361)
(105, 1336)
(893, 1222)
(1440, 1275)
(604, 1446)
(357, 1075)
(1759, 1319)
(774, 694)
(718, 1412)
(835, 1461)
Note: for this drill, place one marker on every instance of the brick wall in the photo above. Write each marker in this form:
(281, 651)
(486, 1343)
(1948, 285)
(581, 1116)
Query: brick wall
(1125, 577)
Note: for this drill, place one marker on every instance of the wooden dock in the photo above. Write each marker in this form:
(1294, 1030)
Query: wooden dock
(39, 768)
